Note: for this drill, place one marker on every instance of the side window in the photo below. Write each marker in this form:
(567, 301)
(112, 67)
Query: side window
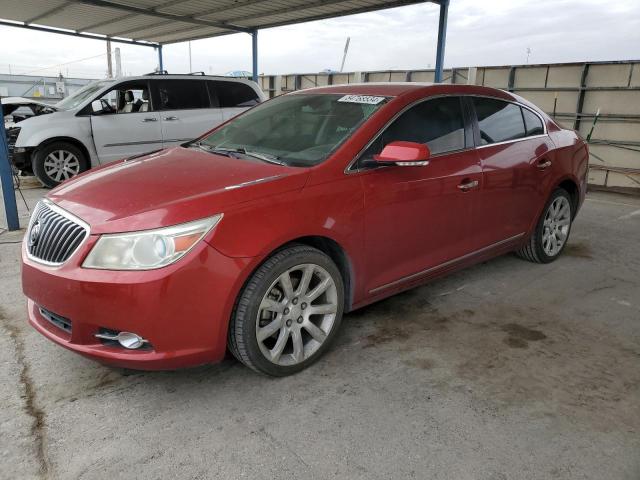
(182, 94)
(498, 121)
(532, 123)
(234, 94)
(128, 97)
(439, 123)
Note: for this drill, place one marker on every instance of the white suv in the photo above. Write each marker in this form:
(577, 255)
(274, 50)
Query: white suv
(111, 119)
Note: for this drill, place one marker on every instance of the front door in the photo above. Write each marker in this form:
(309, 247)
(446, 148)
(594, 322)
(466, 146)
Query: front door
(128, 124)
(419, 218)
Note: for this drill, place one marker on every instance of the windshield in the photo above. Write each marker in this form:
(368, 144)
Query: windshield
(81, 95)
(296, 130)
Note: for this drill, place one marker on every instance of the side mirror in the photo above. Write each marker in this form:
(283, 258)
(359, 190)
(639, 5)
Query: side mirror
(404, 154)
(96, 107)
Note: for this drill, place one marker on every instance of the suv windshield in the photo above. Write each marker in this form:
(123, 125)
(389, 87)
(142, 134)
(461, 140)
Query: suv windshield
(81, 95)
(296, 130)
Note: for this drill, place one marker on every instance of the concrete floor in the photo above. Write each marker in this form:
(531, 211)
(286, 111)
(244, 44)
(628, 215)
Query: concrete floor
(507, 370)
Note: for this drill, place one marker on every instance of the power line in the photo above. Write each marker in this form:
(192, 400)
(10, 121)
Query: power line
(62, 64)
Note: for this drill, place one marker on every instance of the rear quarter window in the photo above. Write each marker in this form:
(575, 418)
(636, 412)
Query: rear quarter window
(498, 121)
(233, 94)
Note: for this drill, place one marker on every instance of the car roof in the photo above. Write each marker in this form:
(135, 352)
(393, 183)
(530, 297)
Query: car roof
(398, 89)
(177, 76)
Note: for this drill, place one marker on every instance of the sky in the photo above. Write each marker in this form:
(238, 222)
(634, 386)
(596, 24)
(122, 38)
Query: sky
(487, 32)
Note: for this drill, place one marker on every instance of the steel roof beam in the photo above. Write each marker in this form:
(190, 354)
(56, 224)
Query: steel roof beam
(78, 34)
(167, 16)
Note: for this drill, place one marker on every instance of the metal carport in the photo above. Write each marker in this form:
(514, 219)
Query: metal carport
(156, 23)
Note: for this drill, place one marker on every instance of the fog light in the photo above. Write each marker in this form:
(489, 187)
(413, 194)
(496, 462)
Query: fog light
(128, 340)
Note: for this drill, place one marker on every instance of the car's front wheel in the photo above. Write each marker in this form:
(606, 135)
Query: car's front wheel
(288, 313)
(552, 230)
(58, 161)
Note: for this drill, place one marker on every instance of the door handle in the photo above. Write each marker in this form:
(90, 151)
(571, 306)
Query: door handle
(542, 164)
(468, 185)
(170, 118)
(150, 119)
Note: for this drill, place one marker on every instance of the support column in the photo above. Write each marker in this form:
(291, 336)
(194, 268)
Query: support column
(442, 39)
(8, 193)
(254, 55)
(160, 64)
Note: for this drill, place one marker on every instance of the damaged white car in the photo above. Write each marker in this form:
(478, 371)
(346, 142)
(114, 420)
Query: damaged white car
(112, 119)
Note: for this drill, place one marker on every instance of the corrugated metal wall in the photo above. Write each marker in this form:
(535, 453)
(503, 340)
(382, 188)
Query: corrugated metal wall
(571, 93)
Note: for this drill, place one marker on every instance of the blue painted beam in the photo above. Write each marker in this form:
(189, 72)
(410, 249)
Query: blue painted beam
(8, 193)
(442, 39)
(254, 55)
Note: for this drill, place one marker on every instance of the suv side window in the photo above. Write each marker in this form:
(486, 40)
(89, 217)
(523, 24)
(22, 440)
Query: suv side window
(499, 121)
(532, 123)
(233, 94)
(438, 123)
(182, 94)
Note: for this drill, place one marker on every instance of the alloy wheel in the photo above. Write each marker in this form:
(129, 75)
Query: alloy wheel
(297, 314)
(61, 165)
(556, 225)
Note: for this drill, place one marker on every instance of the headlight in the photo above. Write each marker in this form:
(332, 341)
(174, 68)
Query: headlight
(149, 249)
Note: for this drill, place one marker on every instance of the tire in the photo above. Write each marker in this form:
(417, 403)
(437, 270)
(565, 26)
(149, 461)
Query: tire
(57, 162)
(538, 248)
(297, 328)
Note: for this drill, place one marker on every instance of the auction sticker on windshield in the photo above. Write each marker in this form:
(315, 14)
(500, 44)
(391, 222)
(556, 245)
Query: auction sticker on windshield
(367, 99)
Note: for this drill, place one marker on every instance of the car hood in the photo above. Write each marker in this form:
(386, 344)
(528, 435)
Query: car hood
(11, 104)
(168, 187)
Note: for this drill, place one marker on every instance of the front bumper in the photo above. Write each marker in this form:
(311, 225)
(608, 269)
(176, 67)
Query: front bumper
(182, 310)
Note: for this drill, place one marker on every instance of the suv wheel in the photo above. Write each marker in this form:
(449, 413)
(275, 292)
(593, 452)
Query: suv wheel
(57, 162)
(552, 231)
(288, 313)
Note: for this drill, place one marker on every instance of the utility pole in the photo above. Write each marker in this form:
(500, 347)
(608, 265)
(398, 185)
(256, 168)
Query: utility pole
(344, 55)
(190, 66)
(118, 63)
(528, 53)
(109, 66)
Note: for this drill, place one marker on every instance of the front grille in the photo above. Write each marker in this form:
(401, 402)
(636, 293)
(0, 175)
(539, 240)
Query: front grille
(53, 234)
(57, 320)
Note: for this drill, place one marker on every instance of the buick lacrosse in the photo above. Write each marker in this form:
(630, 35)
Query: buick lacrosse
(257, 237)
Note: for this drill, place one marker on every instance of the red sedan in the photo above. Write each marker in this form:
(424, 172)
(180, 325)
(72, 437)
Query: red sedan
(260, 235)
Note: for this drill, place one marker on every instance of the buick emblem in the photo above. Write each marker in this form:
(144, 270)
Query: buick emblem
(34, 235)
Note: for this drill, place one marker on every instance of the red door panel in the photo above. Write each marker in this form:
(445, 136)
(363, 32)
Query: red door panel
(418, 217)
(514, 183)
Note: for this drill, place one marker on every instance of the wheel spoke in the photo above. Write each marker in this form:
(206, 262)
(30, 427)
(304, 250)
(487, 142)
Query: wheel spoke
(269, 330)
(276, 351)
(316, 332)
(285, 282)
(319, 289)
(305, 280)
(324, 309)
(271, 305)
(298, 347)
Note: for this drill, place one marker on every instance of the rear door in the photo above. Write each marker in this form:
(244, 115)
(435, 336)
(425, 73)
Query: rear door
(515, 154)
(420, 218)
(185, 109)
(233, 97)
(131, 127)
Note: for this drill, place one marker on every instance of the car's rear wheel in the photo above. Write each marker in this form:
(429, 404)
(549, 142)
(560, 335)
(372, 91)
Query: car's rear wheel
(57, 162)
(288, 313)
(552, 231)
